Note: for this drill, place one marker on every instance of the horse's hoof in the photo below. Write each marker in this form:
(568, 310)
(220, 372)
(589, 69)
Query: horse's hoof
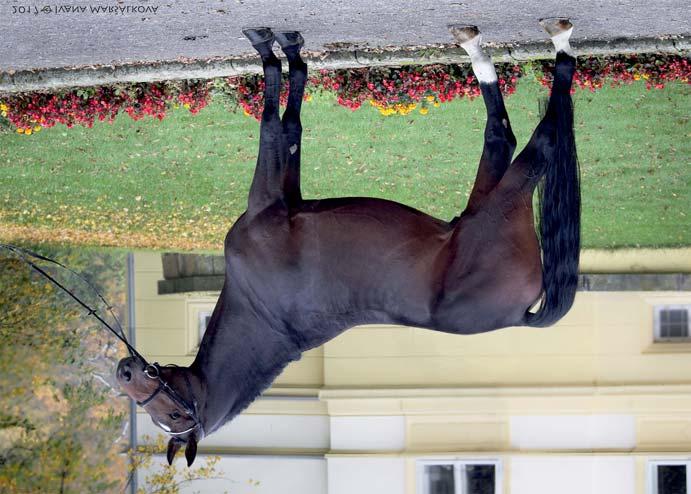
(463, 33)
(555, 25)
(259, 35)
(289, 39)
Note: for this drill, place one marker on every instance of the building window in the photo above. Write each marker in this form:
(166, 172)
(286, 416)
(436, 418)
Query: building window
(672, 323)
(198, 314)
(670, 477)
(203, 323)
(458, 477)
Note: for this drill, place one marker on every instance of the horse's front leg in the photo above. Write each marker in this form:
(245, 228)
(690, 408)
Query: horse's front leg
(500, 141)
(266, 184)
(277, 175)
(291, 42)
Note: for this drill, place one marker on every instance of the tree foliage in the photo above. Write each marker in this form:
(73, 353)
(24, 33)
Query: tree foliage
(61, 422)
(170, 479)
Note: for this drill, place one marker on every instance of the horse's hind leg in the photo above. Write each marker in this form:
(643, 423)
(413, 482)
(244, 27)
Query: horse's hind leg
(554, 133)
(266, 185)
(291, 42)
(500, 142)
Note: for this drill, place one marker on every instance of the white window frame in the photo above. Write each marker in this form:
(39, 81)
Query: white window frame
(195, 310)
(652, 472)
(657, 338)
(459, 463)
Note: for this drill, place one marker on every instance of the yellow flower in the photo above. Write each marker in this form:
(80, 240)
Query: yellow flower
(186, 106)
(20, 131)
(247, 114)
(430, 98)
(27, 131)
(436, 104)
(3, 107)
(37, 128)
(636, 77)
(646, 76)
(308, 97)
(424, 111)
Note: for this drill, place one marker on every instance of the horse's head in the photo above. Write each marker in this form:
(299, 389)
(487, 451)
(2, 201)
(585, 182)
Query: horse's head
(170, 397)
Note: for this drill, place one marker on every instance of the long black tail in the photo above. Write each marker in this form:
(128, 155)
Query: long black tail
(559, 195)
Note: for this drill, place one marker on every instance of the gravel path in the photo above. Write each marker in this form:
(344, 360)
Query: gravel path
(79, 33)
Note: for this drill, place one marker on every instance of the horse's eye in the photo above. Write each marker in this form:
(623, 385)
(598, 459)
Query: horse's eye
(174, 415)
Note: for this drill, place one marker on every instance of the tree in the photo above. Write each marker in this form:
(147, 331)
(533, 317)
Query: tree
(169, 479)
(61, 425)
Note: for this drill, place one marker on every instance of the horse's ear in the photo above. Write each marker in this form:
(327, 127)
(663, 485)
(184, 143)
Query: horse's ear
(191, 450)
(173, 448)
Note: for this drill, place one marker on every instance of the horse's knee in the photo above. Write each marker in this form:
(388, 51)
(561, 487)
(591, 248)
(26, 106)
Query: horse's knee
(499, 129)
(500, 144)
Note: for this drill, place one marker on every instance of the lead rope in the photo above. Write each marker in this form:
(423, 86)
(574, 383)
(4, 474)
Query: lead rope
(25, 254)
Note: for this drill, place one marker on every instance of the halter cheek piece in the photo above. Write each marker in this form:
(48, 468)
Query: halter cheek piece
(153, 371)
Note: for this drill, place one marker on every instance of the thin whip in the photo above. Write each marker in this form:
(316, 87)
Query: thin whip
(25, 254)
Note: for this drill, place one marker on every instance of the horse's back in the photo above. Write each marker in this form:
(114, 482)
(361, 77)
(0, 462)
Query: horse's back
(347, 256)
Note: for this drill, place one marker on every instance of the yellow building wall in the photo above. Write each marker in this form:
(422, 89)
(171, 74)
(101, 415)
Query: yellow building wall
(458, 393)
(605, 339)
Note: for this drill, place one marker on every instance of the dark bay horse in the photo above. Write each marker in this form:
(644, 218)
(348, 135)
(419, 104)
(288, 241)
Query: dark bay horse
(299, 272)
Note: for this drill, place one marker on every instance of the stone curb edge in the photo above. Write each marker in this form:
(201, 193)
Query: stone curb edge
(59, 78)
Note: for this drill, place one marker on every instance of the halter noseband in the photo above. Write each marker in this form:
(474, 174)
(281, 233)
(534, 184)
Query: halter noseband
(153, 371)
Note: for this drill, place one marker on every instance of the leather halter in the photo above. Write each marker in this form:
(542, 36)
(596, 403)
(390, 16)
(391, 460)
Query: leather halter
(153, 371)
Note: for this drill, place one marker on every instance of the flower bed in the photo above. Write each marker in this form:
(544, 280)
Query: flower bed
(392, 91)
(29, 112)
(593, 73)
(399, 91)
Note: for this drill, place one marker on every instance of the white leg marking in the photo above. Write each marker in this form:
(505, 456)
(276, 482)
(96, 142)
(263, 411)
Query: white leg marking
(482, 64)
(561, 42)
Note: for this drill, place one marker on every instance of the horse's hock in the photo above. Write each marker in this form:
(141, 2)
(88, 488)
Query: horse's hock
(184, 273)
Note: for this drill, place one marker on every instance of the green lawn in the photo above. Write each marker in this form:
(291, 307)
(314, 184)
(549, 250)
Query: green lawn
(181, 183)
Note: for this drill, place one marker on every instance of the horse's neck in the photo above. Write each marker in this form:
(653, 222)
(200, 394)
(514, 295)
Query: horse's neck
(238, 358)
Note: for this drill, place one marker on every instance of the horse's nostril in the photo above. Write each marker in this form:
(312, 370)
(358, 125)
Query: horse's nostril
(127, 375)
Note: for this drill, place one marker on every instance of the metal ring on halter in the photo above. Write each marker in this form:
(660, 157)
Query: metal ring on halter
(152, 371)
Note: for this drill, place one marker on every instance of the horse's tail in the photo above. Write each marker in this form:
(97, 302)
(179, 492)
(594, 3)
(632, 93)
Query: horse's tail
(559, 219)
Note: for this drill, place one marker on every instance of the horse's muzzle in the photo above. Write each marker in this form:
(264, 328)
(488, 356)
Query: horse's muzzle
(125, 369)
